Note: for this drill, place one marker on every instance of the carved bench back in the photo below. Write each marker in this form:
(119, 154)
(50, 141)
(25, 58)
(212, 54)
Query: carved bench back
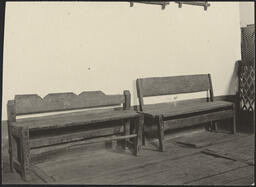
(156, 86)
(55, 102)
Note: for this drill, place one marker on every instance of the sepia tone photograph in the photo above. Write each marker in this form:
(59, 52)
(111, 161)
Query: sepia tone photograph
(127, 93)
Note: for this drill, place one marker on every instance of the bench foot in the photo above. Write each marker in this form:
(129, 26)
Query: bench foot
(160, 125)
(126, 132)
(208, 127)
(27, 178)
(234, 126)
(215, 123)
(138, 139)
(11, 147)
(143, 137)
(11, 162)
(234, 119)
(25, 154)
(213, 126)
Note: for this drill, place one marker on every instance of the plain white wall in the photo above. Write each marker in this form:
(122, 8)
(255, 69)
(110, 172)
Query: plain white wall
(246, 13)
(54, 47)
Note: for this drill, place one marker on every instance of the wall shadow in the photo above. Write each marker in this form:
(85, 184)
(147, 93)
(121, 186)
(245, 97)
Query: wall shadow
(234, 81)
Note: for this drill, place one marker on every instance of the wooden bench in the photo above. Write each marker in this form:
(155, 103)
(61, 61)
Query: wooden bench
(168, 116)
(92, 125)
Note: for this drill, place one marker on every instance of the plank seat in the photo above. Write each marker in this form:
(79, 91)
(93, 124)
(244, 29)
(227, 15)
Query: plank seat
(95, 123)
(169, 110)
(168, 116)
(73, 119)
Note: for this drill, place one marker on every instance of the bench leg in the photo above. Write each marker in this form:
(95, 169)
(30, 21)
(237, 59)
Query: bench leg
(214, 125)
(160, 125)
(234, 119)
(25, 154)
(126, 132)
(208, 126)
(143, 136)
(132, 129)
(11, 150)
(138, 138)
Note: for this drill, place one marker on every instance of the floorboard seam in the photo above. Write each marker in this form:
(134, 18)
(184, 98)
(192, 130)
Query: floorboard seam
(161, 170)
(215, 174)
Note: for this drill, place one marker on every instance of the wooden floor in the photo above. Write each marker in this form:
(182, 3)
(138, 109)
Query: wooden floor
(202, 158)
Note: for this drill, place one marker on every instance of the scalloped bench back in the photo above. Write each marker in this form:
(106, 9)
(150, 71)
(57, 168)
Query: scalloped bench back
(54, 102)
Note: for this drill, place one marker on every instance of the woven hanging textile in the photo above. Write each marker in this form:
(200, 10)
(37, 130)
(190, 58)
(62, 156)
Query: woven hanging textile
(248, 45)
(247, 70)
(247, 87)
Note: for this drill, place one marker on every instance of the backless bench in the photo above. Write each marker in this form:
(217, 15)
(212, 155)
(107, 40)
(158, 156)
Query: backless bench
(37, 132)
(167, 116)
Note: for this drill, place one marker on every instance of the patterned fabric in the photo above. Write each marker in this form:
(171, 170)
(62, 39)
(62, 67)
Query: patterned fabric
(247, 87)
(247, 70)
(248, 45)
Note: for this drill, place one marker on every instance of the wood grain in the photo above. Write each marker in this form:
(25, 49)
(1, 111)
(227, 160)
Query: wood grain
(11, 115)
(174, 85)
(168, 110)
(229, 177)
(105, 166)
(32, 103)
(25, 154)
(177, 165)
(74, 119)
(204, 139)
(42, 175)
(127, 97)
(211, 88)
(140, 94)
(160, 125)
(199, 119)
(169, 171)
(241, 150)
(182, 171)
(70, 137)
(139, 132)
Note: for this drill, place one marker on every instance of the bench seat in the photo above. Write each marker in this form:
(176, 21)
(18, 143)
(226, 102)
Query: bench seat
(73, 119)
(169, 110)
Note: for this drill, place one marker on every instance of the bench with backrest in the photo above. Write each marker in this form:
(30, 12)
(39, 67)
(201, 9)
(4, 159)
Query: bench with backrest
(167, 116)
(93, 125)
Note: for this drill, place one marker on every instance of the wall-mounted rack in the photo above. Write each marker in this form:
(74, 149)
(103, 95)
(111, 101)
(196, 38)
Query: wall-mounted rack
(205, 4)
(162, 3)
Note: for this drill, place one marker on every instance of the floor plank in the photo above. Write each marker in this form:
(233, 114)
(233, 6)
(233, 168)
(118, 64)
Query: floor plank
(175, 166)
(183, 170)
(232, 177)
(179, 164)
(14, 178)
(204, 139)
(242, 149)
(96, 165)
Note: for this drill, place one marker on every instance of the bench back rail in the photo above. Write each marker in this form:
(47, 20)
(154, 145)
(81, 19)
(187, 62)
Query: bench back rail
(54, 102)
(156, 86)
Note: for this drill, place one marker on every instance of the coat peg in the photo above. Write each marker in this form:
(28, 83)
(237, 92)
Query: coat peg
(180, 4)
(163, 6)
(206, 5)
